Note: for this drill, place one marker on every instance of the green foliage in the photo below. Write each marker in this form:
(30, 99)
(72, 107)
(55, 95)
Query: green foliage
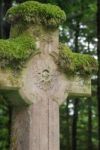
(4, 124)
(75, 63)
(15, 51)
(35, 12)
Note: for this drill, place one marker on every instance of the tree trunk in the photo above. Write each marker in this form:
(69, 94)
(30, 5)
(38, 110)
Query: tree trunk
(6, 26)
(9, 123)
(1, 13)
(77, 32)
(68, 127)
(98, 81)
(74, 125)
(76, 100)
(89, 124)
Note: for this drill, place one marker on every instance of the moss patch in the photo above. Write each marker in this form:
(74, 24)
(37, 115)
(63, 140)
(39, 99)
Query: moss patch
(14, 51)
(73, 63)
(38, 13)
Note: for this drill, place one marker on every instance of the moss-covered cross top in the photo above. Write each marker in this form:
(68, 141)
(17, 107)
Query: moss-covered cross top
(35, 69)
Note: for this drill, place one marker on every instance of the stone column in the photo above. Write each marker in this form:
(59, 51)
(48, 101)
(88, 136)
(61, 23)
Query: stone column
(36, 127)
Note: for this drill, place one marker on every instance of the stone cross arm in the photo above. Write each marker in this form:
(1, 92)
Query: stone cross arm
(41, 78)
(48, 72)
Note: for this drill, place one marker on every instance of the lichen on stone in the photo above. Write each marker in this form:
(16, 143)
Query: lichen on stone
(37, 13)
(14, 51)
(76, 63)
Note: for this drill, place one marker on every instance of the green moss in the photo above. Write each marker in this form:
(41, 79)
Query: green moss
(14, 51)
(74, 63)
(38, 13)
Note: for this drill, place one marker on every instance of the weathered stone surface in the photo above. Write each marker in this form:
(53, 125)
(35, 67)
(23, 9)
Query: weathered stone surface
(41, 83)
(41, 76)
(80, 87)
(36, 127)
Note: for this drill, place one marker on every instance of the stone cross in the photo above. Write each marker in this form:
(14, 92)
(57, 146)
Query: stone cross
(38, 89)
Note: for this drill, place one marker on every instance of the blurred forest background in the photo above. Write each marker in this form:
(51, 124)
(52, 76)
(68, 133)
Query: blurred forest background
(79, 117)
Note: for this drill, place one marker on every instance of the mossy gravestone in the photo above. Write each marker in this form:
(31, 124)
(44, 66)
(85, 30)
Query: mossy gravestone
(37, 74)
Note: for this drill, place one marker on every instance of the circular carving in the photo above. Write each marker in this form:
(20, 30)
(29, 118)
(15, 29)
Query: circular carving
(45, 75)
(44, 79)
